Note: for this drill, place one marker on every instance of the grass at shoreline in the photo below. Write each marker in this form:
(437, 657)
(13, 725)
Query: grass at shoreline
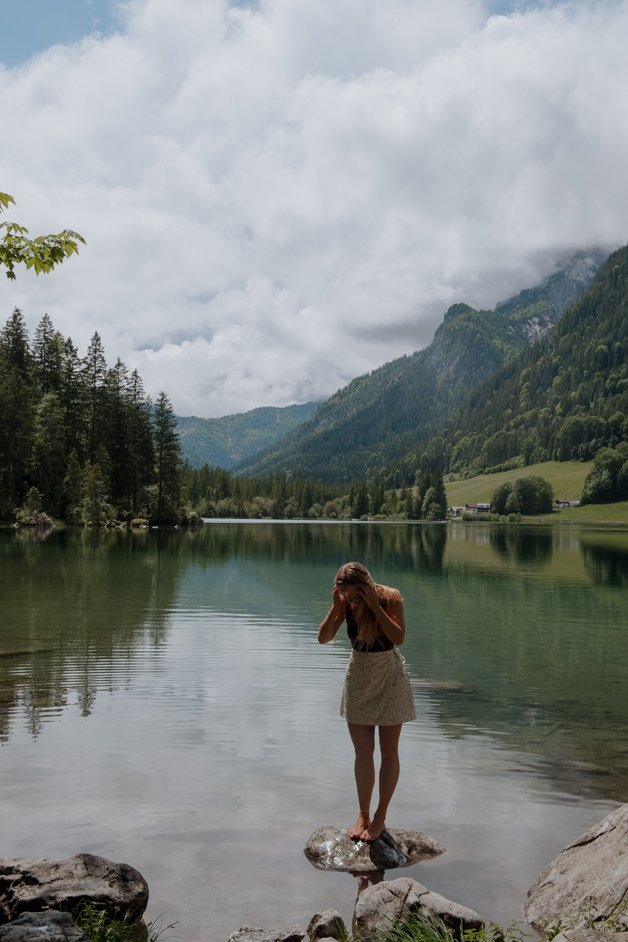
(607, 515)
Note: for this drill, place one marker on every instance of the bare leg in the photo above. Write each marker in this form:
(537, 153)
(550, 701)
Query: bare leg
(388, 778)
(363, 739)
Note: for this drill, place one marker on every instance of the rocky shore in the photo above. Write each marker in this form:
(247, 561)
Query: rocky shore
(582, 895)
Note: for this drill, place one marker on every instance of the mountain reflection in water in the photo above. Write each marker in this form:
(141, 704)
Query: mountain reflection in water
(163, 701)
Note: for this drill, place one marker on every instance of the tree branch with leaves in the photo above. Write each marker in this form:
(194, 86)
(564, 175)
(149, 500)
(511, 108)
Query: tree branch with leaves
(43, 253)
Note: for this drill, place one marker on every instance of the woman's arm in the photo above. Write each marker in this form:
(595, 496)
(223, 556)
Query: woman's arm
(334, 618)
(391, 621)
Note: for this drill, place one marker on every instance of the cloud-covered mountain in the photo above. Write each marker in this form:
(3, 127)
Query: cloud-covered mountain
(382, 415)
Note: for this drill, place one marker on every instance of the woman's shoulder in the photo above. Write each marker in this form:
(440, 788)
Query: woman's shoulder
(389, 594)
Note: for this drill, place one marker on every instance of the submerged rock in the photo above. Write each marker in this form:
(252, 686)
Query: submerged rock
(250, 934)
(51, 926)
(326, 925)
(330, 848)
(587, 881)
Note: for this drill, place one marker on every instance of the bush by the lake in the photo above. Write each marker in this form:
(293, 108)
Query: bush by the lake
(527, 495)
(99, 926)
(607, 481)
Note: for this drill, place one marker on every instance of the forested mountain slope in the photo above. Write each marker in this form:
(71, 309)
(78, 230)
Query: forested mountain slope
(563, 398)
(382, 415)
(227, 441)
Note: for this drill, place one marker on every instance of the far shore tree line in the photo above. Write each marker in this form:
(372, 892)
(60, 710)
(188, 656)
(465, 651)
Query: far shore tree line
(81, 442)
(214, 492)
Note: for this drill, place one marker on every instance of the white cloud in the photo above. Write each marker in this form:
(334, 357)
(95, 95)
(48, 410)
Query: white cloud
(279, 197)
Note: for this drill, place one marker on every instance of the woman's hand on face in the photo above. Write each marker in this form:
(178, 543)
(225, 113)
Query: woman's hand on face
(337, 599)
(370, 596)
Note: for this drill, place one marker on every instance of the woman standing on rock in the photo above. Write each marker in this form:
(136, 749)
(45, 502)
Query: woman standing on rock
(376, 690)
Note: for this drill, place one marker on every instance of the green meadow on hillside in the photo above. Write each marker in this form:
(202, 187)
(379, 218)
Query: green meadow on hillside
(567, 479)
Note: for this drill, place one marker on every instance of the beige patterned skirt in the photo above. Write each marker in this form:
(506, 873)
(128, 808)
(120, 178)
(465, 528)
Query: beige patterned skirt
(377, 690)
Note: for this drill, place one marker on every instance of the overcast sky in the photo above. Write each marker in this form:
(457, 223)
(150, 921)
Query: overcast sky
(279, 196)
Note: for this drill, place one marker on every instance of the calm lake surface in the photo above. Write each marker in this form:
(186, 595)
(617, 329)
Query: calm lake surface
(164, 702)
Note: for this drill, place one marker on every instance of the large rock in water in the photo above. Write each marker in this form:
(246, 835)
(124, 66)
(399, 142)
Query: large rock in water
(382, 906)
(330, 848)
(35, 885)
(51, 926)
(588, 876)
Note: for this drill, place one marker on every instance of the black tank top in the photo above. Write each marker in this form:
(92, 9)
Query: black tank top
(381, 643)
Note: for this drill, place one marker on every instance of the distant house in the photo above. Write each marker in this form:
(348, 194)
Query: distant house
(477, 508)
(561, 502)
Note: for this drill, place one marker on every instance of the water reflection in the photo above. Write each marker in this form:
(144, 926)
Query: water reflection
(78, 603)
(168, 685)
(606, 565)
(582, 753)
(405, 546)
(522, 546)
(82, 604)
(527, 663)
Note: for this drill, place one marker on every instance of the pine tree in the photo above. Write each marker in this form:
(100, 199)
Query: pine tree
(17, 408)
(47, 462)
(440, 494)
(278, 495)
(72, 489)
(72, 396)
(377, 498)
(14, 343)
(47, 355)
(93, 377)
(168, 470)
(117, 421)
(415, 500)
(360, 505)
(142, 451)
(95, 509)
(434, 505)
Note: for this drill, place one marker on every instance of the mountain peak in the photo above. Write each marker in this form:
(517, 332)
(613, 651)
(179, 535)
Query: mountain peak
(456, 311)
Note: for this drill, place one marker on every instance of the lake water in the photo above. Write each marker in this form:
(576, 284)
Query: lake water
(164, 702)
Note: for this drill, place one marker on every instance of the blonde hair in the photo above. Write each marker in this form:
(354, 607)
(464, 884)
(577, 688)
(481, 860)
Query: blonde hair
(358, 574)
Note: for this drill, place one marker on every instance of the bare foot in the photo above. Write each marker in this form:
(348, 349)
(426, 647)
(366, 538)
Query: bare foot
(362, 822)
(374, 830)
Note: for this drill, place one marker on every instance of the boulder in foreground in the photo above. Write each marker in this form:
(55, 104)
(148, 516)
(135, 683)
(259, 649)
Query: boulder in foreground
(386, 904)
(34, 885)
(587, 882)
